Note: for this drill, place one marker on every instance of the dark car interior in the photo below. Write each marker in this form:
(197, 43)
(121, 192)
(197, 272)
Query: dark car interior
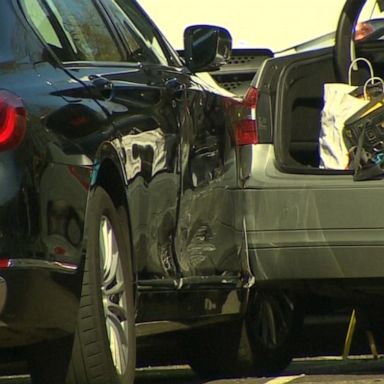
(303, 102)
(301, 83)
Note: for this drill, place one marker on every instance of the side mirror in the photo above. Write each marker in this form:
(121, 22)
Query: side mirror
(206, 47)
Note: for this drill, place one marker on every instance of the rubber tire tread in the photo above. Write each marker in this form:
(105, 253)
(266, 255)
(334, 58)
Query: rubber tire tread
(220, 351)
(91, 361)
(272, 361)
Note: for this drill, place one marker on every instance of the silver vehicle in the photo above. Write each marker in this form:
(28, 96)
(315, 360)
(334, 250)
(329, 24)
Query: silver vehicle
(307, 229)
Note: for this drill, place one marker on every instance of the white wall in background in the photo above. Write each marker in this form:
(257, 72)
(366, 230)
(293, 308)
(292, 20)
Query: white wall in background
(274, 24)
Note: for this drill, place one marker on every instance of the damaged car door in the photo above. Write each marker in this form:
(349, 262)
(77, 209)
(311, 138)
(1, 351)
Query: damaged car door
(205, 239)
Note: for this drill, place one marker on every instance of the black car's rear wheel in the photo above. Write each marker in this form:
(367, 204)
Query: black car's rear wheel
(262, 344)
(104, 346)
(220, 351)
(274, 324)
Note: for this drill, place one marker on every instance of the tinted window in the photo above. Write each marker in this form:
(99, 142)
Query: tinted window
(40, 20)
(75, 29)
(143, 42)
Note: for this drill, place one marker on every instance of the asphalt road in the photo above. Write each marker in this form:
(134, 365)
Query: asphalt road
(319, 338)
(356, 370)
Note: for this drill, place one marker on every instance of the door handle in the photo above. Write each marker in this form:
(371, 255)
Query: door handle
(174, 85)
(101, 87)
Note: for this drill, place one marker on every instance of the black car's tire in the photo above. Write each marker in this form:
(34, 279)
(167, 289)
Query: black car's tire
(220, 351)
(261, 345)
(104, 348)
(274, 324)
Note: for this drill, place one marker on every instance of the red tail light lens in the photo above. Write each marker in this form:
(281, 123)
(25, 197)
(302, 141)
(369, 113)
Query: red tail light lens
(12, 120)
(246, 129)
(5, 263)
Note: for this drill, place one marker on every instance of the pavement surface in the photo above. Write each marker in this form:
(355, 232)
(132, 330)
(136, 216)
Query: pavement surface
(318, 361)
(325, 369)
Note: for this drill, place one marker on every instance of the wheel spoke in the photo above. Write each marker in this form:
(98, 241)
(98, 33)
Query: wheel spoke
(283, 312)
(109, 252)
(117, 311)
(116, 289)
(105, 239)
(111, 271)
(118, 343)
(118, 327)
(113, 294)
(272, 318)
(270, 324)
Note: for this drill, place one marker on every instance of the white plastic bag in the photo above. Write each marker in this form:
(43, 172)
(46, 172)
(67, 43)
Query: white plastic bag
(339, 105)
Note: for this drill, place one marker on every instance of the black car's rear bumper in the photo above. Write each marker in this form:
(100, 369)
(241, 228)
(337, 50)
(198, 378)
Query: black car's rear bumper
(38, 304)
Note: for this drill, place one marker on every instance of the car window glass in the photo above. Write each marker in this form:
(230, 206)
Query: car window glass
(80, 25)
(137, 32)
(39, 18)
(86, 30)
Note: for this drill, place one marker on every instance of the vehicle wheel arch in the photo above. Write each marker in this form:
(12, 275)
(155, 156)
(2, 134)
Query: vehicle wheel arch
(109, 173)
(109, 168)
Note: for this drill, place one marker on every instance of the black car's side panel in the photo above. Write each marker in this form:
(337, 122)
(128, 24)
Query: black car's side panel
(206, 242)
(166, 311)
(146, 134)
(160, 140)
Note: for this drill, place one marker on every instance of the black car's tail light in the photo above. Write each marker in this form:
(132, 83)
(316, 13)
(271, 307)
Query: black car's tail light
(5, 263)
(12, 120)
(246, 129)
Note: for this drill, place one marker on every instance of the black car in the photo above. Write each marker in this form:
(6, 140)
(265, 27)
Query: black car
(117, 166)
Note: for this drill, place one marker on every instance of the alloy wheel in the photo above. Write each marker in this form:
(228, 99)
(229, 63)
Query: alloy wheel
(113, 295)
(272, 318)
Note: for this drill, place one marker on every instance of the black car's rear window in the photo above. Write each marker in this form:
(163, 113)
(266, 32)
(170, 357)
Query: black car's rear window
(74, 29)
(139, 35)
